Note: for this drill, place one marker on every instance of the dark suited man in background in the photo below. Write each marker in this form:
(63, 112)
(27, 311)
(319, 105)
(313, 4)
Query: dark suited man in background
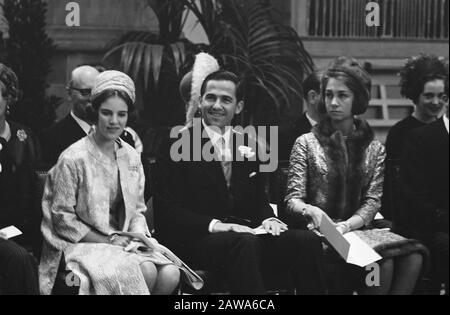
(78, 123)
(206, 211)
(424, 180)
(310, 118)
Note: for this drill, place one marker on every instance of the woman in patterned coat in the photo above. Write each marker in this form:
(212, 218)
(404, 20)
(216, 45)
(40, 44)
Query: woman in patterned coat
(96, 191)
(337, 171)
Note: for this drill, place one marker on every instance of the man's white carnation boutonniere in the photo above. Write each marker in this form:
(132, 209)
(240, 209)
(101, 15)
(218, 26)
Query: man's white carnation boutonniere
(22, 135)
(246, 152)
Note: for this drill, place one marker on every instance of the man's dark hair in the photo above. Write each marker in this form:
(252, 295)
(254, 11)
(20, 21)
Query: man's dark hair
(312, 83)
(223, 75)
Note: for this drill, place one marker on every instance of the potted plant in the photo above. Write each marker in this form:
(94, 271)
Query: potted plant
(243, 35)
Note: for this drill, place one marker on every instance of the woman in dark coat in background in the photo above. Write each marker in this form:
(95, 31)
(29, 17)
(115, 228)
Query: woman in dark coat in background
(19, 202)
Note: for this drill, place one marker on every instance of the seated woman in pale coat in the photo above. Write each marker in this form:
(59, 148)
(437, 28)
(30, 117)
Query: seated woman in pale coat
(337, 171)
(96, 190)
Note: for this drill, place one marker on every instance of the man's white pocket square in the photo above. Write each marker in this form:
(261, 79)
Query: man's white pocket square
(253, 174)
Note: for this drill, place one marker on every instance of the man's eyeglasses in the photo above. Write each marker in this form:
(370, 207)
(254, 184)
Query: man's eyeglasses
(83, 92)
(441, 97)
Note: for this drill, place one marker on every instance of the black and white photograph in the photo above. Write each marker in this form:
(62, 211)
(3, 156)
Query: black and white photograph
(227, 154)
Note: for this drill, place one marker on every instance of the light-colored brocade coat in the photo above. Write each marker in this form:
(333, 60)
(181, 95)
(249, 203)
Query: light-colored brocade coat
(77, 200)
(344, 177)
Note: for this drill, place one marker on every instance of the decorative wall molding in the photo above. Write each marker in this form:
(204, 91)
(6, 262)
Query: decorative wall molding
(373, 48)
(101, 21)
(82, 39)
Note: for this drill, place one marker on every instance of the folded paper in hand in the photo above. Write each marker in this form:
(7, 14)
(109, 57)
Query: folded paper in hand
(146, 244)
(260, 231)
(354, 250)
(10, 232)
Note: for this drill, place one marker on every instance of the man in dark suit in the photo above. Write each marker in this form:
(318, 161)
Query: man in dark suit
(424, 180)
(206, 209)
(78, 123)
(310, 118)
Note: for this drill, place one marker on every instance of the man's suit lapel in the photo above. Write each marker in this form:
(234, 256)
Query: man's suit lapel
(242, 167)
(76, 132)
(214, 173)
(239, 166)
(69, 132)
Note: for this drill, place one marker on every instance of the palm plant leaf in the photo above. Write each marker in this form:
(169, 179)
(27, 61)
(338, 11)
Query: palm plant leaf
(128, 56)
(179, 55)
(157, 57)
(275, 87)
(137, 56)
(270, 56)
(170, 16)
(147, 66)
(246, 39)
(136, 63)
(206, 12)
(285, 73)
(142, 54)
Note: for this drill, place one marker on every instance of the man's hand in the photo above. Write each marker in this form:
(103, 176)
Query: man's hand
(2, 236)
(275, 227)
(220, 227)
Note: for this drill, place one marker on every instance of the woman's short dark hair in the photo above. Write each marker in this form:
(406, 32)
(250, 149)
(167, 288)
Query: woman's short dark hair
(420, 70)
(9, 84)
(223, 75)
(105, 95)
(355, 77)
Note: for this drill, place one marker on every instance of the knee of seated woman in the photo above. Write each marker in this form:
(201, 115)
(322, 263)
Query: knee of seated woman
(169, 273)
(387, 264)
(13, 253)
(413, 259)
(415, 256)
(149, 269)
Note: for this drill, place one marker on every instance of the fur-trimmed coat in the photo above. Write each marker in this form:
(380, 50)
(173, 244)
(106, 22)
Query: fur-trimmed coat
(341, 176)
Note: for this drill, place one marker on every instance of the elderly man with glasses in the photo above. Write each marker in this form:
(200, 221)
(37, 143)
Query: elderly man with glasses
(78, 123)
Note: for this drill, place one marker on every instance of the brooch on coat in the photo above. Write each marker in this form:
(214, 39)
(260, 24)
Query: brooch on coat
(247, 152)
(22, 135)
